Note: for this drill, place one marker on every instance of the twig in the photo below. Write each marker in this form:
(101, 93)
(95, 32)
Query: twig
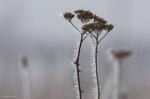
(74, 26)
(103, 37)
(84, 38)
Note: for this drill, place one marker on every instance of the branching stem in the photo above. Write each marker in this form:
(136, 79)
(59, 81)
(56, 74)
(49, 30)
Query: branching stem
(83, 36)
(78, 65)
(103, 37)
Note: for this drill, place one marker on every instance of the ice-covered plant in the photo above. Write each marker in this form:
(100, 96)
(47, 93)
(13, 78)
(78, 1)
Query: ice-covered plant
(84, 16)
(95, 29)
(93, 26)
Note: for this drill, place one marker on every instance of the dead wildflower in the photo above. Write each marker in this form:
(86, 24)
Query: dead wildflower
(93, 25)
(68, 16)
(88, 27)
(96, 27)
(84, 15)
(108, 27)
(78, 11)
(99, 19)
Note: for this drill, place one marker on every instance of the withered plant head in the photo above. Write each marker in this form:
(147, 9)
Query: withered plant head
(84, 15)
(68, 16)
(121, 54)
(93, 27)
(88, 27)
(108, 27)
(99, 19)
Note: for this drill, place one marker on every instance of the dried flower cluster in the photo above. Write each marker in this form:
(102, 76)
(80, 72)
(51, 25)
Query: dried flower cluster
(108, 27)
(92, 25)
(83, 15)
(99, 19)
(68, 16)
(97, 25)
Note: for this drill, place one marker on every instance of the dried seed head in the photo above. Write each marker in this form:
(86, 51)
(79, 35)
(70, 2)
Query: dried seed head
(88, 27)
(95, 26)
(121, 54)
(83, 15)
(108, 27)
(68, 16)
(78, 11)
(98, 26)
(98, 19)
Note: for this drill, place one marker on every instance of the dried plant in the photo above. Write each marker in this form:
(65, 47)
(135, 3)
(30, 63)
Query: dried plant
(95, 29)
(92, 26)
(84, 16)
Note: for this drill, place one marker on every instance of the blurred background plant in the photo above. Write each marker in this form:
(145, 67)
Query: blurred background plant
(113, 88)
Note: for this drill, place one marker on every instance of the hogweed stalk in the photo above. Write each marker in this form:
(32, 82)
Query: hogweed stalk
(83, 35)
(95, 29)
(92, 26)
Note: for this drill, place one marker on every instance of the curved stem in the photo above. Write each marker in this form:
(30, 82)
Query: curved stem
(74, 26)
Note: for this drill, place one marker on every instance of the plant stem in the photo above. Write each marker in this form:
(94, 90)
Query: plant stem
(103, 37)
(74, 26)
(96, 64)
(77, 66)
(78, 58)
(120, 76)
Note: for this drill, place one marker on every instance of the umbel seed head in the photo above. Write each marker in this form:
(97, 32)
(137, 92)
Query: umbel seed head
(96, 24)
(108, 27)
(84, 15)
(88, 27)
(68, 16)
(98, 19)
(94, 27)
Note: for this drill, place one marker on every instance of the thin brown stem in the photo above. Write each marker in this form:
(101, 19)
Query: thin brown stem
(93, 35)
(96, 64)
(103, 37)
(77, 66)
(74, 26)
(82, 38)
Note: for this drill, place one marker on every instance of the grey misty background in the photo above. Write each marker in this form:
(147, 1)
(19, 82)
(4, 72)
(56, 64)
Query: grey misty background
(35, 28)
